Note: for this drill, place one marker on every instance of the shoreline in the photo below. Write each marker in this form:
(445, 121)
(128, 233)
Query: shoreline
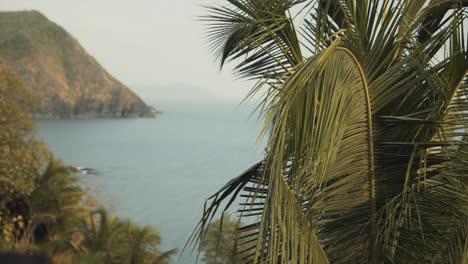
(153, 114)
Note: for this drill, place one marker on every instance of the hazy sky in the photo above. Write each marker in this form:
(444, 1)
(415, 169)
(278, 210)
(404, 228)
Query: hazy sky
(153, 46)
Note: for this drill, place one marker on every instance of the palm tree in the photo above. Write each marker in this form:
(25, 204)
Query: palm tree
(112, 240)
(365, 108)
(219, 244)
(104, 238)
(57, 201)
(54, 211)
(144, 242)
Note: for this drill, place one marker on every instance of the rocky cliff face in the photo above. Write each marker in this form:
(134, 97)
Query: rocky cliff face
(68, 80)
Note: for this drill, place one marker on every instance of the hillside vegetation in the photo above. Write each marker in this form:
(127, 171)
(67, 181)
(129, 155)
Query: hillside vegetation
(69, 82)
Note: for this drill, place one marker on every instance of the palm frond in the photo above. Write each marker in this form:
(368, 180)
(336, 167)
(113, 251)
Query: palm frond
(366, 158)
(432, 205)
(260, 31)
(457, 248)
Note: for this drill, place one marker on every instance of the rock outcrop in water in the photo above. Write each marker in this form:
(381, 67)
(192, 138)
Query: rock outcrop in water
(68, 80)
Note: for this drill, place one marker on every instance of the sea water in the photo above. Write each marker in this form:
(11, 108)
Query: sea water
(159, 171)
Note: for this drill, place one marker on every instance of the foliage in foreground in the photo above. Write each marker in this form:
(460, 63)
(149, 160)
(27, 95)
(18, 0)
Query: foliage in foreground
(365, 105)
(219, 246)
(43, 207)
(21, 154)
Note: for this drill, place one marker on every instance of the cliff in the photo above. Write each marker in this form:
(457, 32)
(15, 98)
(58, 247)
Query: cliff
(69, 82)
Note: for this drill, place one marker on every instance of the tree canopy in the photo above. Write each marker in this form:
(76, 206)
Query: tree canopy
(21, 154)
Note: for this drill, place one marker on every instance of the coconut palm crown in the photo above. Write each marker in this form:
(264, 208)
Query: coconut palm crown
(365, 106)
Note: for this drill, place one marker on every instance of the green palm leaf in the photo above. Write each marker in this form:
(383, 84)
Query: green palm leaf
(367, 150)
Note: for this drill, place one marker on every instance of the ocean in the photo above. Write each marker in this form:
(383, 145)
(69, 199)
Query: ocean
(160, 171)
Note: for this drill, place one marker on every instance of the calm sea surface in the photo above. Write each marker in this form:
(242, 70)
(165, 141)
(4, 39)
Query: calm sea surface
(159, 171)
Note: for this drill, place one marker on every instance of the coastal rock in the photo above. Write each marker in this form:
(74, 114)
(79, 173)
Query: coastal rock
(84, 170)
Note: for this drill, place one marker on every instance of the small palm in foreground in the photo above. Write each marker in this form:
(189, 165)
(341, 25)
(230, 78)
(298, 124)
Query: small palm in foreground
(219, 245)
(104, 237)
(56, 207)
(51, 213)
(111, 240)
(143, 246)
(366, 112)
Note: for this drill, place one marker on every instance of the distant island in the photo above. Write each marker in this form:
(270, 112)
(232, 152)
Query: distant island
(69, 82)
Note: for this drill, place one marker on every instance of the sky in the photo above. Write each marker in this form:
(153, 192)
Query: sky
(156, 47)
